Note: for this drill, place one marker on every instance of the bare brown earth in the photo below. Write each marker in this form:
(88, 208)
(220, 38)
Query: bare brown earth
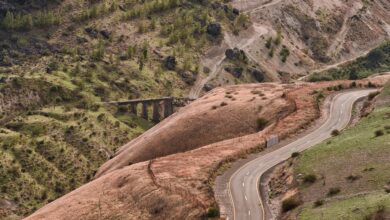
(229, 112)
(178, 186)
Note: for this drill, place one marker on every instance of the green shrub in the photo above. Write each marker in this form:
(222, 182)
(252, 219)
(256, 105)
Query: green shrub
(46, 18)
(309, 178)
(318, 203)
(335, 132)
(271, 52)
(334, 191)
(353, 178)
(17, 21)
(212, 212)
(372, 95)
(99, 51)
(379, 133)
(289, 204)
(261, 123)
(268, 44)
(278, 38)
(295, 154)
(284, 53)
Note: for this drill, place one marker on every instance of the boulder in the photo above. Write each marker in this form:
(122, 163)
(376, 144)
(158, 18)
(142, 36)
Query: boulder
(92, 32)
(236, 11)
(229, 53)
(208, 87)
(258, 75)
(105, 34)
(188, 77)
(170, 63)
(214, 29)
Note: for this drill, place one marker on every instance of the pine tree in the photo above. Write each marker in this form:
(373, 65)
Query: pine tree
(9, 21)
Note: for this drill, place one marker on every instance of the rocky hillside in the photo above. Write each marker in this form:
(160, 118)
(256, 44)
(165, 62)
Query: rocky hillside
(301, 36)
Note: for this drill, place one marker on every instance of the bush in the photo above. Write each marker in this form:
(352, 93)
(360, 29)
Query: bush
(99, 52)
(309, 178)
(372, 95)
(352, 178)
(334, 191)
(318, 203)
(223, 104)
(284, 53)
(212, 212)
(295, 154)
(335, 132)
(261, 123)
(379, 133)
(268, 44)
(289, 204)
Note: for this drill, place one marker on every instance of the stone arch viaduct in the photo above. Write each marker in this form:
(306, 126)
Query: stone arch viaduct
(161, 107)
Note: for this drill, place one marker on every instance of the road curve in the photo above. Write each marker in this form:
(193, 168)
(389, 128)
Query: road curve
(243, 184)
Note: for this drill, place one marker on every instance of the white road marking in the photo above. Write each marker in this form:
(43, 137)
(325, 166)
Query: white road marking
(266, 160)
(243, 184)
(246, 198)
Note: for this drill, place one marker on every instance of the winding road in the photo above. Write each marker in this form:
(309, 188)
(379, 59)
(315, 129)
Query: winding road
(243, 186)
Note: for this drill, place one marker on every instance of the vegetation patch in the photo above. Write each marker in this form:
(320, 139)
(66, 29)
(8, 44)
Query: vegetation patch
(377, 61)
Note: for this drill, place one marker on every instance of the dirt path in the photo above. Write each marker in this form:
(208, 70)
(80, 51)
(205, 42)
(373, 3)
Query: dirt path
(212, 60)
(335, 65)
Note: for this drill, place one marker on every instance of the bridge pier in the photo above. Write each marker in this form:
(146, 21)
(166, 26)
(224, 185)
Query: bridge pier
(168, 108)
(133, 108)
(145, 110)
(156, 112)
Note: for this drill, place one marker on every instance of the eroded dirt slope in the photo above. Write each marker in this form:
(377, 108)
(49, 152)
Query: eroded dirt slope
(222, 114)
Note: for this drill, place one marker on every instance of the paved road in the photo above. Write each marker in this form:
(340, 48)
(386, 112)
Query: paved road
(243, 185)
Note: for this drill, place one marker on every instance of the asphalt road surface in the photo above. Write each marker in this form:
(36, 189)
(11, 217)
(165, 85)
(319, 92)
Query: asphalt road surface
(243, 184)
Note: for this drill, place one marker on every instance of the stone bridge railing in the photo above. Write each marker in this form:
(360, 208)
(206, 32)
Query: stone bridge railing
(161, 107)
